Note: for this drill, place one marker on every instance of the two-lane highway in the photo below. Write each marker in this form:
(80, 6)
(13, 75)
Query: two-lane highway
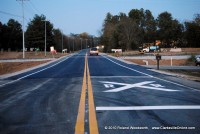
(97, 94)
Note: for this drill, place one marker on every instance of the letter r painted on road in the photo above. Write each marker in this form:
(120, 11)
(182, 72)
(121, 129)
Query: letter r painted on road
(109, 86)
(156, 85)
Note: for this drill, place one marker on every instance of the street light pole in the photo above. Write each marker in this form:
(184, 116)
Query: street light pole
(62, 40)
(23, 30)
(45, 46)
(81, 43)
(69, 44)
(45, 40)
(86, 44)
(73, 44)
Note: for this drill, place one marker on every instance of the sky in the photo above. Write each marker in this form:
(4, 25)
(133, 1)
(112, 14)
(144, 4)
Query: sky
(78, 16)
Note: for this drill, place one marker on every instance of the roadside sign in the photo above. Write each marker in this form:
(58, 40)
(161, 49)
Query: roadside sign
(116, 50)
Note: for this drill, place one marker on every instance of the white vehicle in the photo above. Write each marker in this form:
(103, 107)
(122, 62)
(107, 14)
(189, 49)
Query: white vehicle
(94, 51)
(150, 49)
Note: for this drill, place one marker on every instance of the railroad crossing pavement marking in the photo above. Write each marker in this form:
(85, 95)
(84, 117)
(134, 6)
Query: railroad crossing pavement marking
(80, 123)
(126, 86)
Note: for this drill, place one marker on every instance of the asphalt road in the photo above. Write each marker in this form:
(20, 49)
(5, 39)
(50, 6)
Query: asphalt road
(98, 94)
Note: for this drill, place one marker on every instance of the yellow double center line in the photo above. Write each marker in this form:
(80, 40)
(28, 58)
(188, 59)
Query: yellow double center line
(80, 122)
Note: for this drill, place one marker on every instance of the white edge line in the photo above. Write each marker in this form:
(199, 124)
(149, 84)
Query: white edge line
(35, 72)
(127, 67)
(151, 75)
(119, 76)
(127, 108)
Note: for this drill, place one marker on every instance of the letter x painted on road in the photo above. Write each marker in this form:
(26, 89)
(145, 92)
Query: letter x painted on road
(138, 85)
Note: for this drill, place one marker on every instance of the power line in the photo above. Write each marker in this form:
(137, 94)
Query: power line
(14, 15)
(27, 10)
(10, 14)
(34, 7)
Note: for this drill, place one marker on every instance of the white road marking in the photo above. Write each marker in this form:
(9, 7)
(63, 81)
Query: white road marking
(156, 85)
(169, 107)
(115, 83)
(150, 75)
(103, 77)
(109, 86)
(127, 67)
(138, 85)
(161, 89)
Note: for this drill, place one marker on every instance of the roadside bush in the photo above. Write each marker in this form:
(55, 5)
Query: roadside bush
(191, 60)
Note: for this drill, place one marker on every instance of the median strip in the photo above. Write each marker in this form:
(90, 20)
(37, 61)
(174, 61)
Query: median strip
(80, 122)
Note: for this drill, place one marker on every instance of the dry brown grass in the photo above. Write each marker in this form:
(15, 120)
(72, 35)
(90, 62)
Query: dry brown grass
(29, 55)
(164, 62)
(11, 67)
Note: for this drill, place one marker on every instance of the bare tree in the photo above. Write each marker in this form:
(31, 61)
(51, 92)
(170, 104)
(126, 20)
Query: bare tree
(129, 33)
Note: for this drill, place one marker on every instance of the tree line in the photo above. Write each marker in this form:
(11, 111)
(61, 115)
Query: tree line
(130, 31)
(122, 31)
(11, 37)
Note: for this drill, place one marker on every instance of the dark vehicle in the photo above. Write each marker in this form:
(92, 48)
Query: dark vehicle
(94, 51)
(197, 60)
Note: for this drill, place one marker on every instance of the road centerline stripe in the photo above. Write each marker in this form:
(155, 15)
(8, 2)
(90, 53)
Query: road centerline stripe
(93, 126)
(80, 122)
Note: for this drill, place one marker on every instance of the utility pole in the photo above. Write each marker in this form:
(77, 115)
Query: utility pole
(45, 45)
(62, 40)
(73, 44)
(86, 44)
(69, 44)
(23, 27)
(81, 43)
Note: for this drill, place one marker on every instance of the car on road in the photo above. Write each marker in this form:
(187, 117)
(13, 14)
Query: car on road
(197, 60)
(94, 51)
